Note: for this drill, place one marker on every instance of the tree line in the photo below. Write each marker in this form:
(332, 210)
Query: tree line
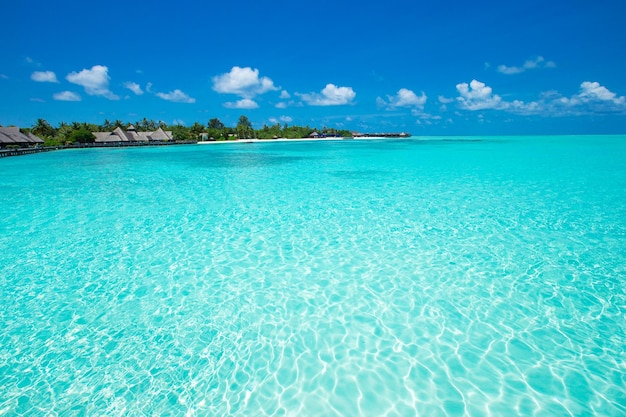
(214, 129)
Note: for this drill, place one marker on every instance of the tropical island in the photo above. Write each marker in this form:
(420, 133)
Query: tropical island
(146, 132)
(214, 130)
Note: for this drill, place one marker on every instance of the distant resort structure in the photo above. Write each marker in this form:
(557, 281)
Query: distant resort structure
(15, 141)
(12, 136)
(381, 135)
(131, 135)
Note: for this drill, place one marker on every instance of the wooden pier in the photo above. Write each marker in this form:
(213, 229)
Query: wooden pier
(25, 151)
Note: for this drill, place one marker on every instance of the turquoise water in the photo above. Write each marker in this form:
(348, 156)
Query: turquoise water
(429, 277)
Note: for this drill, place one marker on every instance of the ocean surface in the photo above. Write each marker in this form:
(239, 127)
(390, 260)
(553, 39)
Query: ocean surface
(480, 276)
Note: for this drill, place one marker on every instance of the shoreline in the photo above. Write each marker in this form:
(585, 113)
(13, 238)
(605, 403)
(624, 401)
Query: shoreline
(213, 142)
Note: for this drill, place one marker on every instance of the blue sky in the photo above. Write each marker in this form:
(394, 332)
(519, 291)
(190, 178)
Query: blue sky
(436, 67)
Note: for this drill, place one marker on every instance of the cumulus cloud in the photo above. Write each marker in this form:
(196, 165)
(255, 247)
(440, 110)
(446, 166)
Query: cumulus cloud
(66, 96)
(331, 95)
(134, 87)
(244, 103)
(404, 98)
(244, 82)
(477, 96)
(592, 90)
(44, 77)
(176, 96)
(94, 80)
(592, 98)
(284, 95)
(538, 62)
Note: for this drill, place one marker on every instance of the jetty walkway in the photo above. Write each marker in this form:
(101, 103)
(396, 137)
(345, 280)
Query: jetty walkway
(25, 151)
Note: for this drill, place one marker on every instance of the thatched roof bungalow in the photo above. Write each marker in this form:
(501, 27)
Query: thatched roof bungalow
(13, 136)
(131, 135)
(160, 134)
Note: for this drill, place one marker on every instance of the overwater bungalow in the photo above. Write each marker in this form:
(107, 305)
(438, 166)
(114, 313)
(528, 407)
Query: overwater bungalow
(10, 136)
(132, 135)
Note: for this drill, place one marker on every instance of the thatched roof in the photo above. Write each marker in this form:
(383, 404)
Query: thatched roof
(143, 136)
(124, 137)
(160, 134)
(12, 135)
(131, 135)
(103, 137)
(34, 138)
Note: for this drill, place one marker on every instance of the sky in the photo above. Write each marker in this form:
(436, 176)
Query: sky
(437, 67)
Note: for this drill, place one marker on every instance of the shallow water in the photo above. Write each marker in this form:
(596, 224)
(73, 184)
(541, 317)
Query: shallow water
(352, 278)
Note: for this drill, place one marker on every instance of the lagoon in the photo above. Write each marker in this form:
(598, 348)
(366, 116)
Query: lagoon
(425, 276)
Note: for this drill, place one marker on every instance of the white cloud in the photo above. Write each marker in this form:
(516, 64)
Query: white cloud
(404, 98)
(44, 77)
(94, 80)
(477, 96)
(510, 70)
(445, 100)
(284, 119)
(284, 95)
(244, 82)
(592, 98)
(331, 95)
(538, 62)
(593, 91)
(285, 104)
(134, 87)
(244, 103)
(66, 96)
(176, 96)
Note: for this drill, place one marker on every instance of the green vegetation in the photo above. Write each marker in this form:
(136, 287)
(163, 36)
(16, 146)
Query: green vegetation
(76, 132)
(82, 135)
